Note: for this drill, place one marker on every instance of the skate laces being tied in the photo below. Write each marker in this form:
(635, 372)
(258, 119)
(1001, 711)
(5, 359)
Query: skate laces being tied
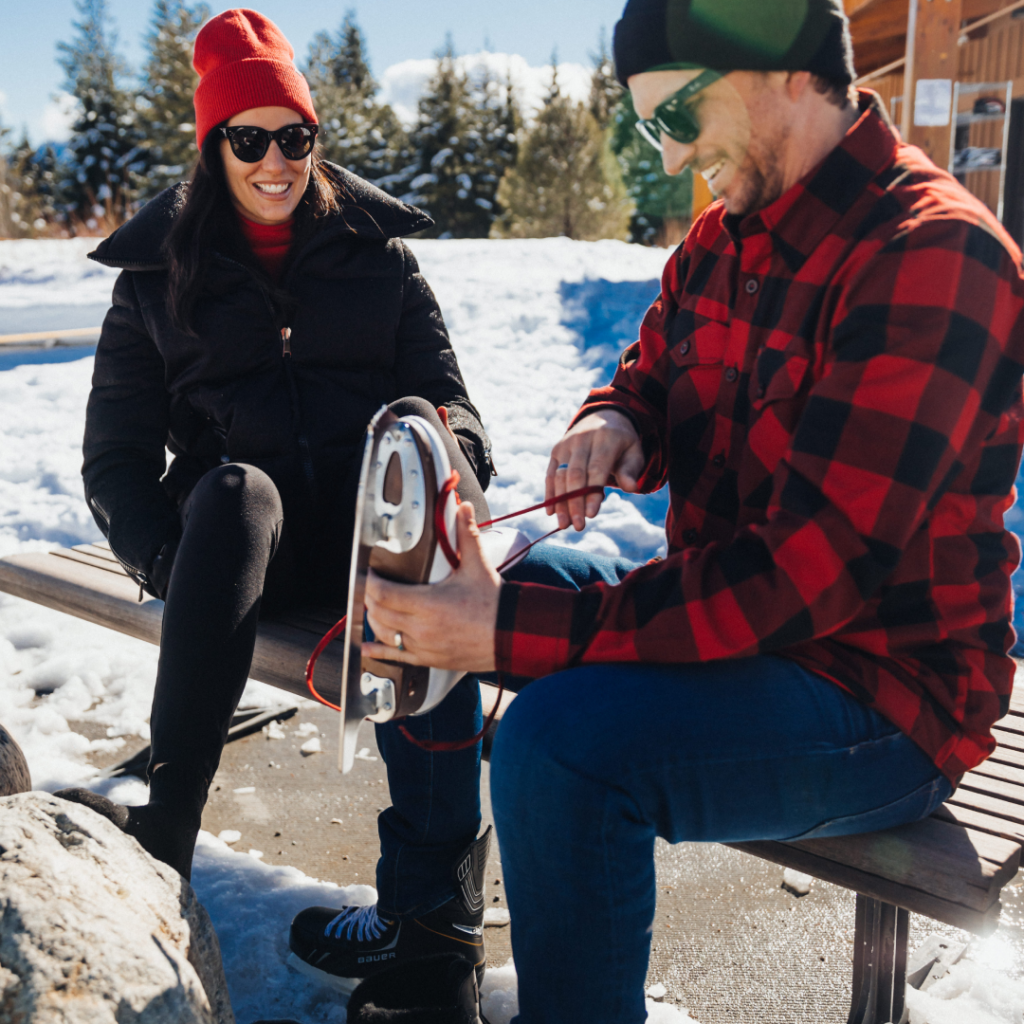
(448, 487)
(362, 922)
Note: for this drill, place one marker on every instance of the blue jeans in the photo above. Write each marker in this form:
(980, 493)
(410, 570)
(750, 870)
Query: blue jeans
(435, 798)
(592, 764)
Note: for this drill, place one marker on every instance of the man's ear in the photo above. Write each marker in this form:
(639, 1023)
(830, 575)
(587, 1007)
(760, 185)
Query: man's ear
(797, 83)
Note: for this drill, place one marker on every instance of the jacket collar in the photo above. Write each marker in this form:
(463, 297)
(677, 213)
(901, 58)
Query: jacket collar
(800, 218)
(366, 212)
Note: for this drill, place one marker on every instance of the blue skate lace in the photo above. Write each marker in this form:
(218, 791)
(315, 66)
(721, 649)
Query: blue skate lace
(362, 921)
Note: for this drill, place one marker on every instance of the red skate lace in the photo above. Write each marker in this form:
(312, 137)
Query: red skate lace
(441, 532)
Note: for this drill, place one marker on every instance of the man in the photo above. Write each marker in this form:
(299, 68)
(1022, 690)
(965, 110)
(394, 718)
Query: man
(830, 384)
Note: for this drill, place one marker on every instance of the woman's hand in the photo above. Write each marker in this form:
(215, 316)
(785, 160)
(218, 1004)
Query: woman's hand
(445, 625)
(602, 449)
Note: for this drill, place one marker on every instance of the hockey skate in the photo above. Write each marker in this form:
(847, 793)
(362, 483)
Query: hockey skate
(404, 531)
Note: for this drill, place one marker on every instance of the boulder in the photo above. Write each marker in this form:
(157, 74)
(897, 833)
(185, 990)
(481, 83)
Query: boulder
(14, 776)
(94, 930)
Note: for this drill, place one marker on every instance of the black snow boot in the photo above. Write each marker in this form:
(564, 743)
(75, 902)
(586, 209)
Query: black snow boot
(167, 826)
(439, 989)
(340, 946)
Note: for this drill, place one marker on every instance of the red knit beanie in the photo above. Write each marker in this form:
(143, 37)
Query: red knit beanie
(244, 61)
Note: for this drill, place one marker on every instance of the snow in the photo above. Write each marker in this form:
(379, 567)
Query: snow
(535, 324)
(797, 881)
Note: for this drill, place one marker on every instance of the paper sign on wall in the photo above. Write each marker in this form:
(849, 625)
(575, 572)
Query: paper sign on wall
(932, 99)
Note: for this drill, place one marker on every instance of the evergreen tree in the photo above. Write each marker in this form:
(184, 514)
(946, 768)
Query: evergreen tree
(605, 91)
(356, 131)
(167, 115)
(566, 180)
(465, 139)
(105, 155)
(27, 189)
(663, 202)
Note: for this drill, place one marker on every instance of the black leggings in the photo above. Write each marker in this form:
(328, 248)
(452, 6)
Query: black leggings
(238, 555)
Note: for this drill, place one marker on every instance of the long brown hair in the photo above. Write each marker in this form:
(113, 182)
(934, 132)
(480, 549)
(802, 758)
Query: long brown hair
(206, 222)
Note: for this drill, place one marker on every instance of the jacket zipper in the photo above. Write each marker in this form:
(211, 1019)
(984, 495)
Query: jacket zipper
(304, 452)
(305, 456)
(136, 574)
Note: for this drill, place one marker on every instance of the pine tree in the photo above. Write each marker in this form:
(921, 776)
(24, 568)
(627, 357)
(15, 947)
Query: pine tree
(566, 180)
(167, 115)
(605, 91)
(663, 202)
(105, 154)
(465, 139)
(356, 131)
(27, 189)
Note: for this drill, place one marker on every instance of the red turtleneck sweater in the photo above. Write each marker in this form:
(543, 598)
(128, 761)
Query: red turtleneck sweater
(270, 242)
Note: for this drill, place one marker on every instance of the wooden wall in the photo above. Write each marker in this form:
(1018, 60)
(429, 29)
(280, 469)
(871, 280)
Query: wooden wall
(997, 54)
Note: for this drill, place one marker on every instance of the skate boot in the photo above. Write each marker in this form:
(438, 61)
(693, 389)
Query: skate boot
(404, 531)
(341, 946)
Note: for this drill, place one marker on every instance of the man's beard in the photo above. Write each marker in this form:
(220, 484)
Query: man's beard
(761, 174)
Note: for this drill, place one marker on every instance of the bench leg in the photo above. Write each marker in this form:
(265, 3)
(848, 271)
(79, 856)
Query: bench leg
(879, 963)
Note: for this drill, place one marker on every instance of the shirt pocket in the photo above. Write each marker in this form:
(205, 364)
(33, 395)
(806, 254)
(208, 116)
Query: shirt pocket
(704, 346)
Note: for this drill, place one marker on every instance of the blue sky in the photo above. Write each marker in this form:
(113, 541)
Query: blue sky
(395, 31)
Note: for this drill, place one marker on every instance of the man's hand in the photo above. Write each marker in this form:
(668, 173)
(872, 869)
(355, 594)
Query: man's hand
(445, 625)
(603, 449)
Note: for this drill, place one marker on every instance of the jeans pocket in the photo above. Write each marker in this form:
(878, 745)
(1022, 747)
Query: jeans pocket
(917, 804)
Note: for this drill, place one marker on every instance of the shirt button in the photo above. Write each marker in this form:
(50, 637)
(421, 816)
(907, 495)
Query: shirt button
(718, 460)
(225, 458)
(760, 391)
(752, 286)
(731, 374)
(684, 347)
(690, 536)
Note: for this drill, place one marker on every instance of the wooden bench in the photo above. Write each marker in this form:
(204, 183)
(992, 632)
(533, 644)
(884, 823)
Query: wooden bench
(950, 867)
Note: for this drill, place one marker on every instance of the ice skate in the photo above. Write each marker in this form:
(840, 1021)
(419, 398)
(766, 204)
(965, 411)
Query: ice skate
(404, 531)
(342, 945)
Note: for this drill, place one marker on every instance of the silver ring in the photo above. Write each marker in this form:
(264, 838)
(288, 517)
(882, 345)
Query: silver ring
(398, 642)
(564, 465)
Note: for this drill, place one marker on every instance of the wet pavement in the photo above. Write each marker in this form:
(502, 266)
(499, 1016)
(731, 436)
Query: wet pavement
(730, 943)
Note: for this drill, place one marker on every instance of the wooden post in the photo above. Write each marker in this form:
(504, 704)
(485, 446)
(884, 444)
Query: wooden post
(933, 31)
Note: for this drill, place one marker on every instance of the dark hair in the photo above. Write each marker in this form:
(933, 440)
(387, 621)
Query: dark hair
(836, 90)
(206, 221)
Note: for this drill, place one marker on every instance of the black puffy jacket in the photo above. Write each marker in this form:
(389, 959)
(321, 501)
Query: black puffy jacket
(288, 387)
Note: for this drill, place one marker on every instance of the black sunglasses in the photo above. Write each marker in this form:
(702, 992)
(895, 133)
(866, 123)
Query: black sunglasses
(250, 144)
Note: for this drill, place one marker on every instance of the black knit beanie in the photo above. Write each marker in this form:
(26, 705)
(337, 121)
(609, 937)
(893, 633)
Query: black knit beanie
(735, 35)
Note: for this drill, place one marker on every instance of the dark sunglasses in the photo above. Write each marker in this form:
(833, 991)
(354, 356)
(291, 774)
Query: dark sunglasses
(673, 117)
(250, 144)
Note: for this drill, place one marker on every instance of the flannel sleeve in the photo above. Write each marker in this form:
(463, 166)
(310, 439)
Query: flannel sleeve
(921, 364)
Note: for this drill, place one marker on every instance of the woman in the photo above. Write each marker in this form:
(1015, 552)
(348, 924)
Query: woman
(264, 312)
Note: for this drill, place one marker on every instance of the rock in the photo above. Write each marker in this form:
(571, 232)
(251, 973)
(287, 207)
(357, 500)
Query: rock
(14, 776)
(95, 931)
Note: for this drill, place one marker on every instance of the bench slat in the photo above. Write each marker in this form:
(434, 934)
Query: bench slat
(1012, 723)
(1004, 755)
(978, 922)
(993, 787)
(952, 863)
(97, 551)
(996, 770)
(84, 558)
(1009, 740)
(991, 804)
(982, 821)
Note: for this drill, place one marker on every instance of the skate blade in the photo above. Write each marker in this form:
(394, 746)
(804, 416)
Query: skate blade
(344, 985)
(394, 533)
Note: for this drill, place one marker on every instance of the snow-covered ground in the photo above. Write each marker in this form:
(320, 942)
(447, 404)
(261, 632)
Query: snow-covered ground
(535, 324)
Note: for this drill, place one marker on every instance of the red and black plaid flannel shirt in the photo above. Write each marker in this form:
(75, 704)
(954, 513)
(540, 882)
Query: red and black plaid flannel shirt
(831, 389)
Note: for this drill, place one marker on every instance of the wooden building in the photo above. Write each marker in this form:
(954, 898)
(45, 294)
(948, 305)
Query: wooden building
(962, 54)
